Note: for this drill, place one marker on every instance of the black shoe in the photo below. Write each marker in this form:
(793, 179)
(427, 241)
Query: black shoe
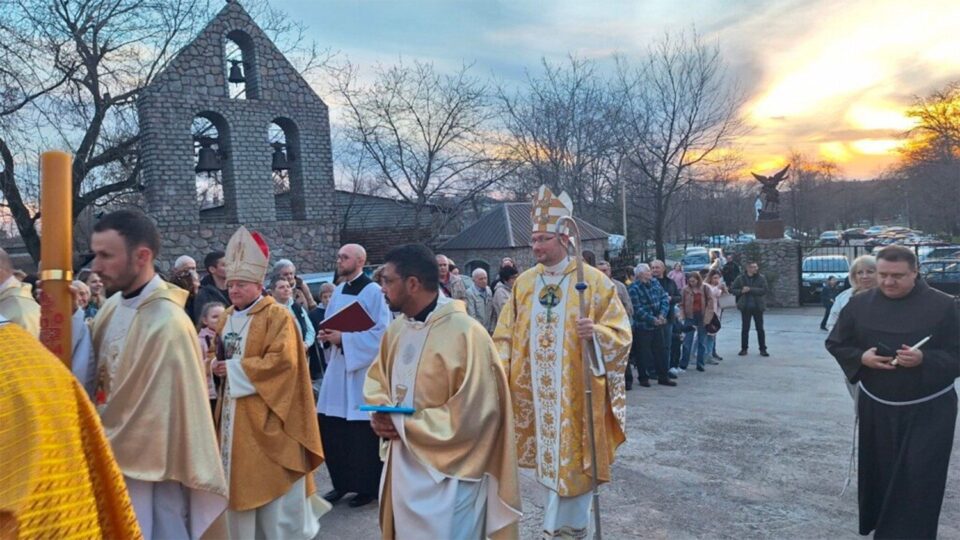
(629, 385)
(764, 353)
(700, 368)
(333, 496)
(718, 358)
(644, 383)
(712, 362)
(823, 327)
(743, 352)
(666, 382)
(360, 500)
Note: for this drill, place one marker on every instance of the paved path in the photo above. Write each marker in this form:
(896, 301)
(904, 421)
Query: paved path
(753, 448)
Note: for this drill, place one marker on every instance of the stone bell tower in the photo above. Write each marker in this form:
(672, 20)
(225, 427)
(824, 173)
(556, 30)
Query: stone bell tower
(231, 134)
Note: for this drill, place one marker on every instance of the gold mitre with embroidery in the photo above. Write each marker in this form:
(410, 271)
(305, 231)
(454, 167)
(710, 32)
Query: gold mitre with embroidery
(548, 209)
(247, 256)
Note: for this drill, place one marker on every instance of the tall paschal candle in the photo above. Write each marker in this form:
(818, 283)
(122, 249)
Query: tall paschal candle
(56, 253)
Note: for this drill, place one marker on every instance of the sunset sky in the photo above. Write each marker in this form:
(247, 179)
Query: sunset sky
(827, 78)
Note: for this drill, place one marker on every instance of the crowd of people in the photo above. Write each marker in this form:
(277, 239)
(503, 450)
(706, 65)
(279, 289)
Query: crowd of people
(216, 398)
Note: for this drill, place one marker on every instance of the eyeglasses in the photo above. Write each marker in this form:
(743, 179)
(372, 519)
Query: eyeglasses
(542, 239)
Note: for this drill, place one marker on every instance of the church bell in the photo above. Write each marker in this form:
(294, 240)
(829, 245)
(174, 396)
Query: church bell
(208, 159)
(236, 72)
(280, 161)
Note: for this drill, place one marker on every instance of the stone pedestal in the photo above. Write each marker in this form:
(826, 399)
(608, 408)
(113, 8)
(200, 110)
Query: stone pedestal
(779, 262)
(769, 229)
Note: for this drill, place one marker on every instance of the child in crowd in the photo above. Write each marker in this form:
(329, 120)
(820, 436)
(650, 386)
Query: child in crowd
(209, 317)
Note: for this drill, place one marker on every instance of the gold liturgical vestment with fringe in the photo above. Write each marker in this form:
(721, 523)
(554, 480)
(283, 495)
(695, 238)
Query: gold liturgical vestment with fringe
(58, 478)
(17, 305)
(569, 471)
(463, 424)
(156, 410)
(276, 439)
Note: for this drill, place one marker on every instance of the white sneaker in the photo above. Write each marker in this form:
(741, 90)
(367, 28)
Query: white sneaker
(682, 370)
(674, 371)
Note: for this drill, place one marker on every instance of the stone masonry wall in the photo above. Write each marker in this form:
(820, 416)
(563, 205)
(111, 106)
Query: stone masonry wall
(193, 84)
(779, 262)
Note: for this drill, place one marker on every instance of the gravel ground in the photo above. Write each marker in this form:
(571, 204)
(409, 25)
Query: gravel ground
(752, 448)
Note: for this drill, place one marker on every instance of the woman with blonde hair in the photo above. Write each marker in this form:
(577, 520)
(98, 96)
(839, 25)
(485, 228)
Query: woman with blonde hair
(863, 277)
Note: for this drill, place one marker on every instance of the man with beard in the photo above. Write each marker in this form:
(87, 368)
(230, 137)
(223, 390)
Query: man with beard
(907, 403)
(451, 465)
(352, 449)
(269, 440)
(540, 337)
(151, 394)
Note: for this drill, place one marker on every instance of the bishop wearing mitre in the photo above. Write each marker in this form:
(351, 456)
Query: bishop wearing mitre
(269, 438)
(540, 337)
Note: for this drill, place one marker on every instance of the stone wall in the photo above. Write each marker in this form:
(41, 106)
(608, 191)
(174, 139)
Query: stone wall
(311, 248)
(194, 84)
(779, 262)
(523, 256)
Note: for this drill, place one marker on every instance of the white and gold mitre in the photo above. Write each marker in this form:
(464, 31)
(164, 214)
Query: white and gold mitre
(247, 256)
(548, 209)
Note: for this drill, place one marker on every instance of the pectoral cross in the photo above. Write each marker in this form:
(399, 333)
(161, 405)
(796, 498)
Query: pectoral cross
(550, 298)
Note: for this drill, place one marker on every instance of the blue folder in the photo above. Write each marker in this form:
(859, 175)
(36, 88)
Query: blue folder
(387, 409)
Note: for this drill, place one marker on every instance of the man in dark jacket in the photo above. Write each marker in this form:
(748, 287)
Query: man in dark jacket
(659, 270)
(213, 286)
(827, 295)
(730, 271)
(750, 289)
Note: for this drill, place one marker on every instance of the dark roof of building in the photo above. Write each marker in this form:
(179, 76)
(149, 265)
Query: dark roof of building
(508, 226)
(371, 212)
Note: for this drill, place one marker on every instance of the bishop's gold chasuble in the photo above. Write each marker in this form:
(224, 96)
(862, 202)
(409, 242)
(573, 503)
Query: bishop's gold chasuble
(538, 345)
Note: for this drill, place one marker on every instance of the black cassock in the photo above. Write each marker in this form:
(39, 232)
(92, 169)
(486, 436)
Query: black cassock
(904, 447)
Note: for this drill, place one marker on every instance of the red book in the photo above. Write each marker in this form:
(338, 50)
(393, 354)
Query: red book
(349, 318)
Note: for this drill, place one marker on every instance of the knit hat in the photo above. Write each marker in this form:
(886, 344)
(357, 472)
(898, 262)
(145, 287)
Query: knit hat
(247, 256)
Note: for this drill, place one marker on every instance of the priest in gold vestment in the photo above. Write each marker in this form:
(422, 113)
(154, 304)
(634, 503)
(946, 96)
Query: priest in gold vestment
(16, 303)
(538, 337)
(151, 393)
(269, 437)
(59, 478)
(451, 468)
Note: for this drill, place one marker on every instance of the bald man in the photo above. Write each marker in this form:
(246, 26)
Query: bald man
(351, 448)
(16, 301)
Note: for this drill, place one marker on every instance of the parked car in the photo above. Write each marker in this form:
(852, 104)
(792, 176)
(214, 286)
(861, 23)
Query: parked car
(745, 238)
(718, 240)
(856, 233)
(830, 238)
(816, 269)
(942, 274)
(875, 230)
(695, 261)
(939, 252)
(316, 279)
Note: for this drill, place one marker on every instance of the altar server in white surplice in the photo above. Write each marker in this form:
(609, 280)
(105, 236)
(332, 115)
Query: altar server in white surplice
(351, 447)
